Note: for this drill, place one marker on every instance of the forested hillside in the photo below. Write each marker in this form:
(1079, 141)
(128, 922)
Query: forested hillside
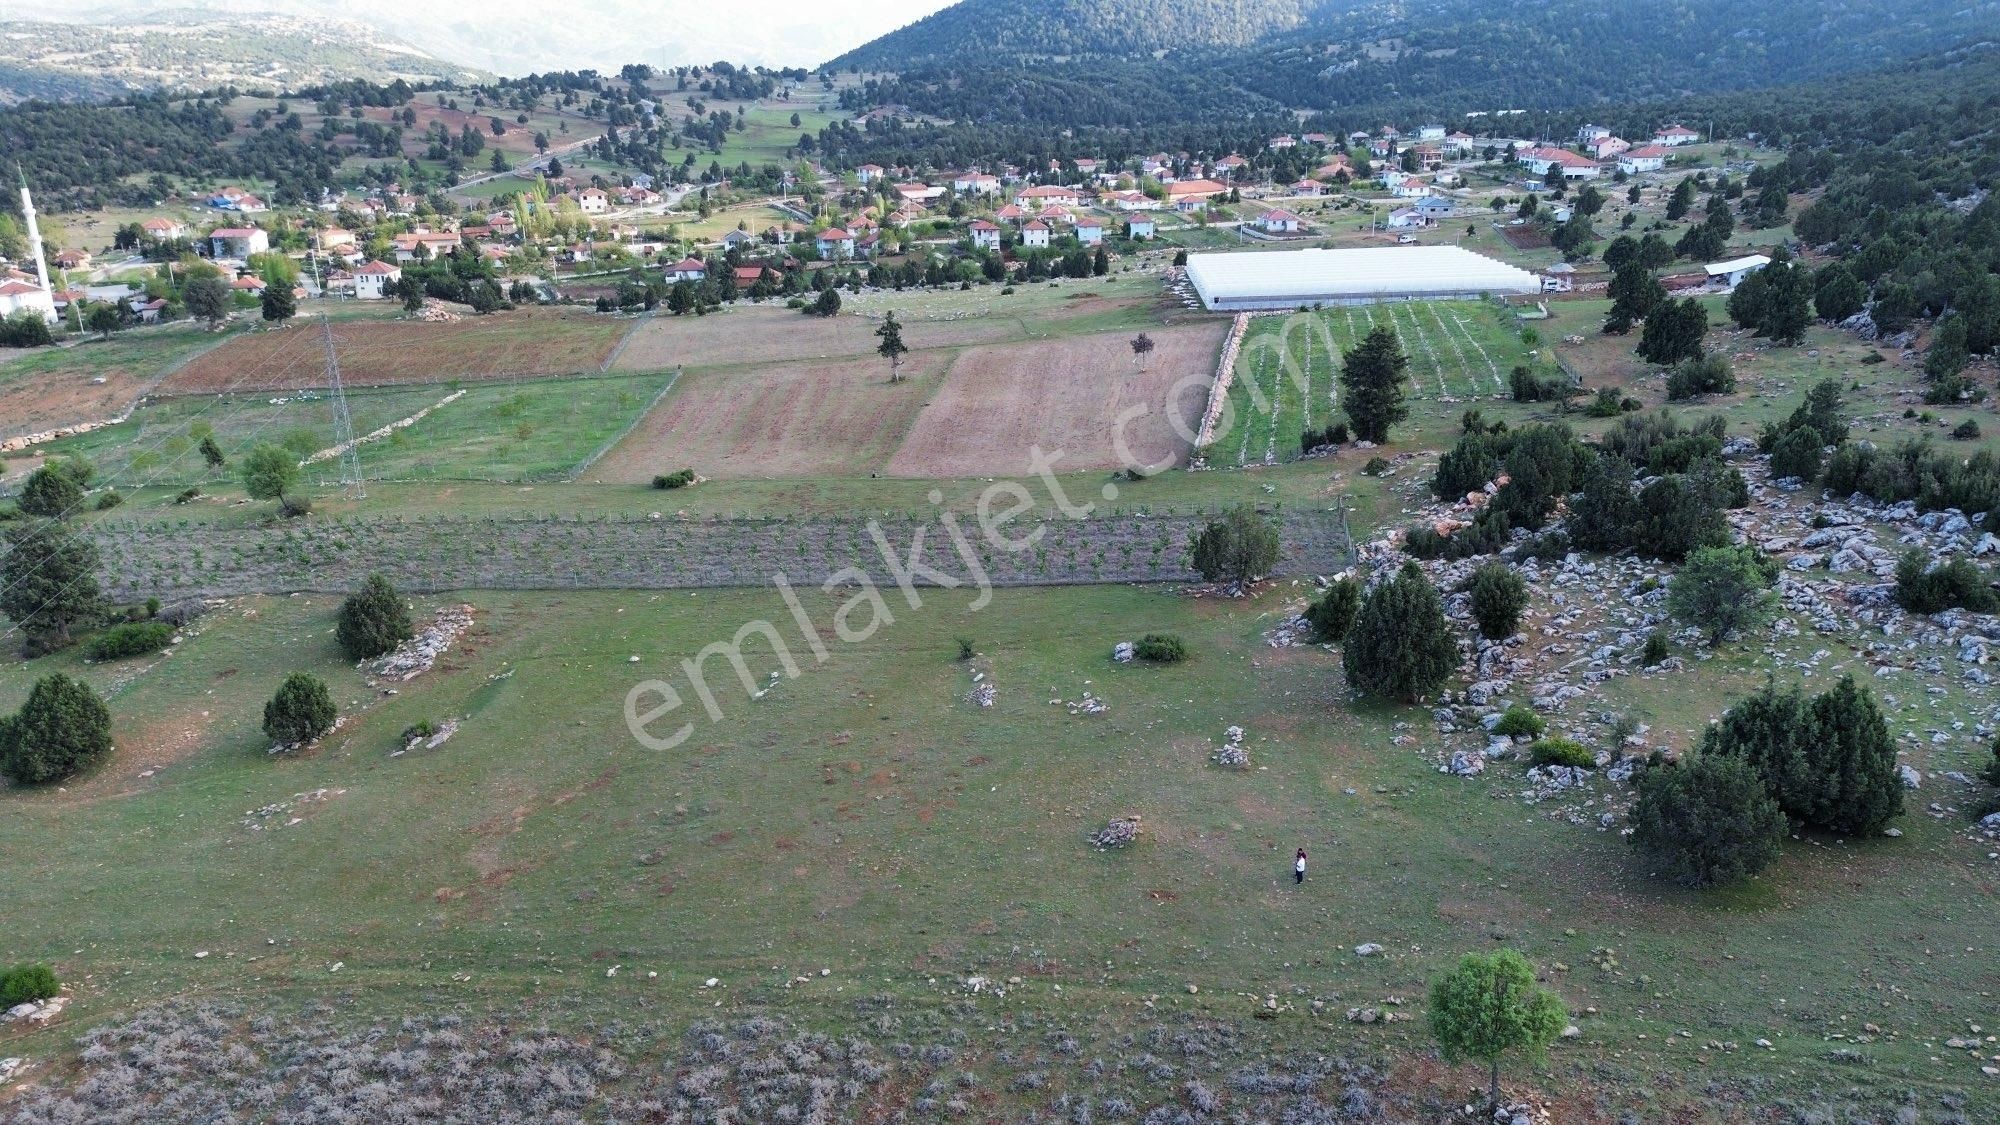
(1374, 58)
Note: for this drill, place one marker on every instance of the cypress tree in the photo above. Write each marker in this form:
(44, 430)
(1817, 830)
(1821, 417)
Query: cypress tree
(62, 729)
(373, 620)
(1706, 820)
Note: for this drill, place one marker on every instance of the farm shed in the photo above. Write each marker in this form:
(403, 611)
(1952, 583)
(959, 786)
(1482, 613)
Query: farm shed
(1234, 282)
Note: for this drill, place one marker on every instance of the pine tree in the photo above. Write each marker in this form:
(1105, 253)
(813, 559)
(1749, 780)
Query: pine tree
(1723, 591)
(1240, 547)
(892, 347)
(1332, 616)
(51, 493)
(1707, 820)
(48, 584)
(1498, 597)
(1852, 758)
(1401, 647)
(373, 620)
(278, 304)
(62, 729)
(1674, 332)
(1837, 293)
(301, 711)
(1371, 382)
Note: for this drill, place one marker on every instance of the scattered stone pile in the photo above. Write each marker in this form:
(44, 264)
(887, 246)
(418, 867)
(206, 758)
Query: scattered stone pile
(1120, 832)
(279, 814)
(37, 1012)
(1232, 753)
(415, 656)
(436, 312)
(1124, 651)
(983, 693)
(1089, 704)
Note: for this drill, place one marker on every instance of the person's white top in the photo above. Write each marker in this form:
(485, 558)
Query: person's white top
(1299, 864)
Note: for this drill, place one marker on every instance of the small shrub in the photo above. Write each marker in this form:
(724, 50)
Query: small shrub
(137, 638)
(1656, 649)
(1957, 584)
(418, 730)
(27, 984)
(679, 479)
(109, 500)
(1562, 752)
(301, 711)
(1499, 596)
(1161, 648)
(1967, 430)
(965, 649)
(1608, 403)
(1375, 467)
(188, 496)
(1517, 721)
(1873, 358)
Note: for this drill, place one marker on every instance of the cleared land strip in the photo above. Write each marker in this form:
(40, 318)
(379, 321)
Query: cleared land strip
(169, 561)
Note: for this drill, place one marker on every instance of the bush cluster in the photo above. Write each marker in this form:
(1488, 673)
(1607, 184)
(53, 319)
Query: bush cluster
(680, 478)
(1562, 752)
(134, 638)
(1955, 584)
(27, 984)
(1519, 722)
(1161, 648)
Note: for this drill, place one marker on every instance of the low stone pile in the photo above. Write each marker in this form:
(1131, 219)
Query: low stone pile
(1232, 754)
(1120, 832)
(36, 1012)
(416, 656)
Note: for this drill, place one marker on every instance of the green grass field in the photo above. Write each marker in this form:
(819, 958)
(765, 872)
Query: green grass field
(866, 819)
(532, 430)
(1285, 373)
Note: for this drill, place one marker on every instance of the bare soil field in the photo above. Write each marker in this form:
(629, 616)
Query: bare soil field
(1064, 396)
(49, 400)
(773, 334)
(837, 418)
(526, 343)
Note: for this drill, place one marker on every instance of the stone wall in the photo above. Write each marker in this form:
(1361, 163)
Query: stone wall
(170, 560)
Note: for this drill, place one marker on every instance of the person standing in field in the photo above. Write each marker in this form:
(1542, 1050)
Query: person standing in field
(1299, 868)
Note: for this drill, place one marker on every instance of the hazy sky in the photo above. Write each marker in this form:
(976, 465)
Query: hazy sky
(517, 36)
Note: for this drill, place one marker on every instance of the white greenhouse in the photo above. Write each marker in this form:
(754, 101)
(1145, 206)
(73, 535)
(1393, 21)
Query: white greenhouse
(1284, 279)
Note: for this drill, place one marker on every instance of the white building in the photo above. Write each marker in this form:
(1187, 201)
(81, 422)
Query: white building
(1651, 158)
(1731, 273)
(1034, 233)
(373, 279)
(985, 235)
(1231, 282)
(1090, 232)
(23, 296)
(1673, 136)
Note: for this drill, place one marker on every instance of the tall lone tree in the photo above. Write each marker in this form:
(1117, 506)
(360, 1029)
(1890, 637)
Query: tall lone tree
(1240, 547)
(1400, 646)
(48, 585)
(1371, 383)
(1142, 348)
(1498, 598)
(270, 472)
(207, 298)
(51, 493)
(1722, 591)
(892, 346)
(63, 729)
(373, 620)
(1489, 1005)
(278, 303)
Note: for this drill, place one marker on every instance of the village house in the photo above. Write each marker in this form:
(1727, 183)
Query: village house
(1433, 208)
(1459, 143)
(237, 243)
(1139, 227)
(1320, 139)
(1011, 214)
(747, 276)
(1674, 136)
(1651, 158)
(249, 283)
(1046, 195)
(1409, 187)
(592, 201)
(1603, 148)
(1034, 233)
(1279, 221)
(1231, 165)
(164, 230)
(1590, 133)
(985, 235)
(1574, 167)
(1430, 132)
(868, 173)
(1308, 188)
(833, 242)
(1407, 218)
(1090, 232)
(432, 244)
(1429, 155)
(1731, 273)
(687, 269)
(737, 240)
(1131, 201)
(1335, 169)
(71, 259)
(372, 280)
(1189, 195)
(975, 183)
(1282, 142)
(919, 193)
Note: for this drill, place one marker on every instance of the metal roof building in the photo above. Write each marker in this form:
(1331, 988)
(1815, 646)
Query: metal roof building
(1249, 280)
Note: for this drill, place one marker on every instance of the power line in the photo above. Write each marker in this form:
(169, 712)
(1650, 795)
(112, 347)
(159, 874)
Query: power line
(343, 424)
